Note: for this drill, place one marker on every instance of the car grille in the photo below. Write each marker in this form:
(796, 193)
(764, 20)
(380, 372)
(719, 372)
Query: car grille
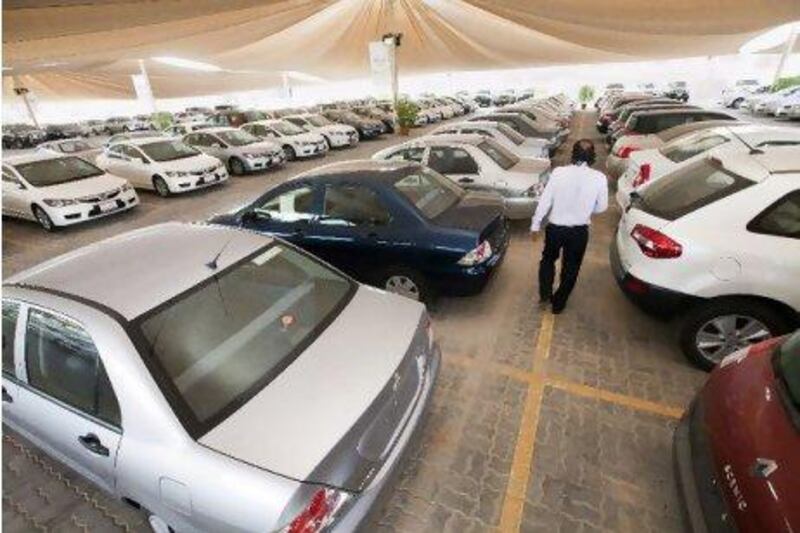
(202, 172)
(97, 198)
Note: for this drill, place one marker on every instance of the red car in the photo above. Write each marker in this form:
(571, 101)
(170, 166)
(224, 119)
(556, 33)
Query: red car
(737, 449)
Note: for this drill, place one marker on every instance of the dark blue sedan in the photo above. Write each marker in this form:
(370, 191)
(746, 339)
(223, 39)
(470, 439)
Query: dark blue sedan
(396, 225)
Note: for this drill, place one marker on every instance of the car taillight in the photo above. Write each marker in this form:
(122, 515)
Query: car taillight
(478, 255)
(625, 151)
(643, 176)
(655, 244)
(319, 513)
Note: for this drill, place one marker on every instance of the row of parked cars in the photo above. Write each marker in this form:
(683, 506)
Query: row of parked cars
(222, 351)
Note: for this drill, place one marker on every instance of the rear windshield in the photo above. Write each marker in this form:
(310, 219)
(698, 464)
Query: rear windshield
(429, 191)
(214, 347)
(684, 148)
(504, 158)
(646, 124)
(509, 132)
(237, 137)
(689, 189)
(56, 171)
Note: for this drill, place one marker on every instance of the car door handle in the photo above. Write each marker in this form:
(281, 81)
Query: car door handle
(7, 397)
(91, 442)
(466, 180)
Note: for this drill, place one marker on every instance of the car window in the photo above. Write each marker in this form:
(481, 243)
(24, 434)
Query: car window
(193, 139)
(509, 132)
(500, 155)
(689, 189)
(168, 150)
(236, 137)
(431, 193)
(684, 149)
(59, 170)
(10, 315)
(353, 205)
(9, 177)
(781, 219)
(130, 152)
(409, 154)
(63, 363)
(447, 160)
(290, 206)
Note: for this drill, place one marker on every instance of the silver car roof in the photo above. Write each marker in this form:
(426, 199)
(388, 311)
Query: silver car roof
(136, 271)
(32, 157)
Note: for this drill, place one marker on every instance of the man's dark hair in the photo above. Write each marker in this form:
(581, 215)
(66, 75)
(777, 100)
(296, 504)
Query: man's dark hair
(583, 152)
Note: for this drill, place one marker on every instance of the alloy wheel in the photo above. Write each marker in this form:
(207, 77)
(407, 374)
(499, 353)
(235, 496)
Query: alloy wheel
(43, 218)
(726, 334)
(161, 187)
(402, 285)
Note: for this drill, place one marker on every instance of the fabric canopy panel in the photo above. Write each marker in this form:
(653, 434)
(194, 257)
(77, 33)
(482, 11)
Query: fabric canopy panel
(68, 48)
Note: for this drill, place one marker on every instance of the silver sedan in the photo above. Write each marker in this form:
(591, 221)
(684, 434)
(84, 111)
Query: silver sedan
(219, 379)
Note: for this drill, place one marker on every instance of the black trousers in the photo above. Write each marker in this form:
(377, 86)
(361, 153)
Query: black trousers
(570, 241)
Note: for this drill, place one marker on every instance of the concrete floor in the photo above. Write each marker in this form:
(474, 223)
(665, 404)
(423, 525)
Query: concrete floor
(539, 423)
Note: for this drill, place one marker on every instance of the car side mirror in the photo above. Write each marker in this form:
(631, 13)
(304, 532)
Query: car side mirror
(216, 145)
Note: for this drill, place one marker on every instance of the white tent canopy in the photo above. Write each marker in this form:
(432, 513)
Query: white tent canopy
(88, 48)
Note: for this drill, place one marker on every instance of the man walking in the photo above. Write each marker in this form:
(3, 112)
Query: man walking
(572, 195)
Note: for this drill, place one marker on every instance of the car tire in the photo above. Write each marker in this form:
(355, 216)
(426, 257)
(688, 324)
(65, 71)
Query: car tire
(722, 322)
(236, 166)
(291, 155)
(43, 219)
(161, 187)
(157, 525)
(327, 141)
(736, 104)
(406, 282)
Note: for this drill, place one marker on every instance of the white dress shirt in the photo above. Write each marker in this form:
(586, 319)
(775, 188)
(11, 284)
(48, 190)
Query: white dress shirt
(572, 195)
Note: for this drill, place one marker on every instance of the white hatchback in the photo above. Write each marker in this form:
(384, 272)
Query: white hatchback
(61, 190)
(167, 166)
(717, 243)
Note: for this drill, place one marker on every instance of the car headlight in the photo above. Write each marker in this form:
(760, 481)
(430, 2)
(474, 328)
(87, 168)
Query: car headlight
(176, 173)
(60, 202)
(251, 156)
(127, 187)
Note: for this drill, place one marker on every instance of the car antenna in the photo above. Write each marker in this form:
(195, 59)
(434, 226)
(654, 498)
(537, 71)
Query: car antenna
(213, 263)
(753, 149)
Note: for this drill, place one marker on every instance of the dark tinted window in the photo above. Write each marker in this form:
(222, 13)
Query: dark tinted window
(10, 315)
(353, 205)
(446, 160)
(290, 206)
(655, 123)
(430, 192)
(781, 218)
(689, 189)
(63, 363)
(686, 148)
(409, 154)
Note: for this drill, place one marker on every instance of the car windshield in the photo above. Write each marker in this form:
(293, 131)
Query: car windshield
(319, 121)
(509, 132)
(499, 155)
(217, 345)
(168, 150)
(56, 171)
(252, 116)
(787, 368)
(684, 148)
(70, 147)
(237, 137)
(286, 128)
(430, 192)
(688, 189)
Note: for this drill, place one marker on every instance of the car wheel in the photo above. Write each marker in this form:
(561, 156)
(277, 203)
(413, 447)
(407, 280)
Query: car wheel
(161, 186)
(406, 282)
(126, 129)
(718, 328)
(158, 525)
(327, 141)
(290, 153)
(236, 166)
(44, 219)
(737, 103)
(18, 144)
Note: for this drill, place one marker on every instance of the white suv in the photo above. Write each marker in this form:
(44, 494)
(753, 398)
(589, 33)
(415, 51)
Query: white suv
(718, 243)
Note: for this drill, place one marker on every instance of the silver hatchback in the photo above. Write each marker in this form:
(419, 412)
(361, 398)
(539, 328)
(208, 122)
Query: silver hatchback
(219, 379)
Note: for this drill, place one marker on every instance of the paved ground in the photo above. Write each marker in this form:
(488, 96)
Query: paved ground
(539, 423)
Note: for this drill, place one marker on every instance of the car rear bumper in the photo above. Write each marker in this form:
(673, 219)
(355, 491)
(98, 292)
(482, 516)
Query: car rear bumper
(368, 504)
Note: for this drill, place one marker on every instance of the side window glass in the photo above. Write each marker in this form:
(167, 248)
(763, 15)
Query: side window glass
(409, 154)
(9, 177)
(63, 363)
(781, 219)
(353, 205)
(10, 315)
(452, 161)
(290, 206)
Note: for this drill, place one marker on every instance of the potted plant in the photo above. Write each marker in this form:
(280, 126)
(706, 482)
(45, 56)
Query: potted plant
(406, 115)
(585, 95)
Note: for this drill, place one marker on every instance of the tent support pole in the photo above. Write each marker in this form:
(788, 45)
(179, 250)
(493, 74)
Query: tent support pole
(23, 92)
(786, 52)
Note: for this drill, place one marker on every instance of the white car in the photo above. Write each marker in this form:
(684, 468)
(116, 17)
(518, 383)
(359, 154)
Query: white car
(479, 163)
(182, 128)
(648, 166)
(295, 142)
(336, 135)
(167, 166)
(120, 137)
(764, 104)
(717, 243)
(735, 95)
(773, 105)
(502, 133)
(61, 190)
(240, 151)
(785, 107)
(77, 147)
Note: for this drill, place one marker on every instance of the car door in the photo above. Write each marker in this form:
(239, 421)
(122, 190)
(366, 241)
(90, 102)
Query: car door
(66, 405)
(10, 358)
(287, 212)
(411, 153)
(212, 145)
(15, 194)
(138, 166)
(456, 164)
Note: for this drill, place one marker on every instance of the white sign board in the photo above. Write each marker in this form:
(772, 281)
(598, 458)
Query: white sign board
(381, 63)
(144, 93)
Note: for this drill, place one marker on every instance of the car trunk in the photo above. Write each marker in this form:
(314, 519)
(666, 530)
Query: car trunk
(478, 211)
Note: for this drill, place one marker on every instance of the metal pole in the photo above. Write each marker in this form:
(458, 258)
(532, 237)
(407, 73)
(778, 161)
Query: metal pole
(151, 99)
(786, 52)
(23, 92)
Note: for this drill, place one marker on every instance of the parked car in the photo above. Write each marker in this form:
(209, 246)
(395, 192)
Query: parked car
(519, 123)
(755, 98)
(122, 137)
(503, 134)
(388, 119)
(734, 96)
(335, 135)
(61, 190)
(167, 166)
(367, 128)
(648, 166)
(716, 243)
(478, 163)
(737, 448)
(771, 106)
(295, 142)
(94, 126)
(201, 353)
(55, 132)
(396, 225)
(182, 128)
(678, 90)
(783, 109)
(77, 147)
(240, 151)
(139, 123)
(19, 136)
(115, 125)
(641, 132)
(234, 118)
(504, 98)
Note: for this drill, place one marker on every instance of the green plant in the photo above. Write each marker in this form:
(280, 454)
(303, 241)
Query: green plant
(785, 82)
(406, 113)
(586, 94)
(162, 119)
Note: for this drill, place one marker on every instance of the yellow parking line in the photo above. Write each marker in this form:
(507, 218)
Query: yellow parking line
(624, 400)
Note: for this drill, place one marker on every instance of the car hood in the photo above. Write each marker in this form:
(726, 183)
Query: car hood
(297, 421)
(260, 147)
(188, 164)
(84, 187)
(476, 211)
(337, 128)
(531, 165)
(304, 137)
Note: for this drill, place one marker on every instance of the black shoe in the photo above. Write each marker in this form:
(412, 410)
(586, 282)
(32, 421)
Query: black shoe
(557, 309)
